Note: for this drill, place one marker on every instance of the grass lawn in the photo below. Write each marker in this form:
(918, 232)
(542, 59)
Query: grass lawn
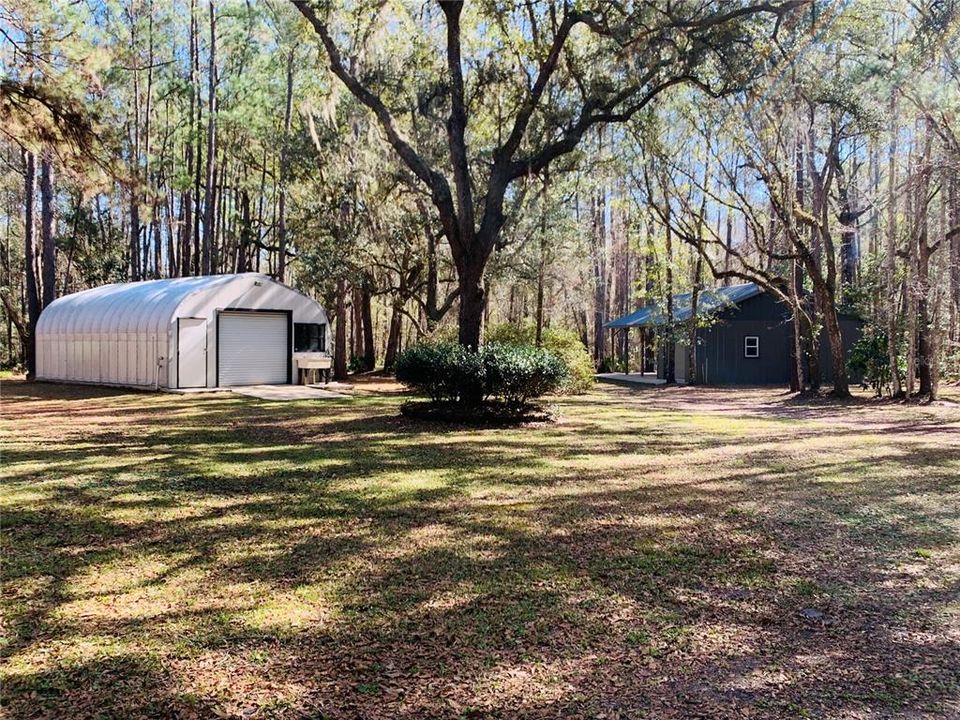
(649, 555)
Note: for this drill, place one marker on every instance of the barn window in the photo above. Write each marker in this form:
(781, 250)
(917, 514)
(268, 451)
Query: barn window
(309, 337)
(751, 346)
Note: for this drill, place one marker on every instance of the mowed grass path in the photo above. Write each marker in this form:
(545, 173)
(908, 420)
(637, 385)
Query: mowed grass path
(646, 556)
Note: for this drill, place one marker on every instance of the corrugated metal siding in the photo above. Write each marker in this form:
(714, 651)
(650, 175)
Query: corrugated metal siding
(118, 334)
(126, 334)
(850, 331)
(720, 353)
(721, 359)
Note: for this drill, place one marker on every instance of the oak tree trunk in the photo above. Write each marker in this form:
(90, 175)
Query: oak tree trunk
(472, 305)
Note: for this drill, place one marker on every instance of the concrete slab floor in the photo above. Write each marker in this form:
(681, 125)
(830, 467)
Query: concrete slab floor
(286, 392)
(630, 379)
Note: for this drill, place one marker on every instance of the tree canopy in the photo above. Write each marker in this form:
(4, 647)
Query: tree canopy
(439, 167)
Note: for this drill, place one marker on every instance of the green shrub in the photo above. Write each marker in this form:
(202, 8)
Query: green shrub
(565, 344)
(516, 374)
(510, 334)
(612, 365)
(508, 374)
(870, 359)
(442, 371)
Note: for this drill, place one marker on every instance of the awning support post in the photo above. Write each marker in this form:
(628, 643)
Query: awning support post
(626, 349)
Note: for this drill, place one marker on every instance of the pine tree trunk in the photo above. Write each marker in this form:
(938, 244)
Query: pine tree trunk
(340, 338)
(910, 282)
(953, 237)
(157, 234)
(670, 365)
(599, 276)
(366, 313)
(186, 197)
(30, 265)
(174, 228)
(356, 324)
(284, 165)
(210, 197)
(197, 259)
(728, 248)
(152, 234)
(694, 306)
(219, 246)
(246, 233)
(393, 337)
(47, 234)
(890, 247)
(926, 343)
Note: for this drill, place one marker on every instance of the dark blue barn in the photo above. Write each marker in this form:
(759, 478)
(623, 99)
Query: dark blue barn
(747, 338)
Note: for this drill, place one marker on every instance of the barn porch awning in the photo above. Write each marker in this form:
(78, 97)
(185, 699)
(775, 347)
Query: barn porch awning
(708, 303)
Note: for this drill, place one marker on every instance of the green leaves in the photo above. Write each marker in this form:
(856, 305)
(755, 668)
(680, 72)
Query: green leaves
(511, 374)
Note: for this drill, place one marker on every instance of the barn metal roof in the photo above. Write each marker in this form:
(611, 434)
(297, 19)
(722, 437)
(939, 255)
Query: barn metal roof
(708, 303)
(130, 307)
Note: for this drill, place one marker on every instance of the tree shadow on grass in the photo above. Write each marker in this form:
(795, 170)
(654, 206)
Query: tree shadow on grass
(369, 567)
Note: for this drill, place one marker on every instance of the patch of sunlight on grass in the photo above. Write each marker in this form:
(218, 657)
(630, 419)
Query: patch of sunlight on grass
(24, 496)
(450, 599)
(424, 538)
(120, 575)
(60, 655)
(242, 550)
(136, 602)
(307, 525)
(226, 466)
(316, 594)
(286, 613)
(397, 485)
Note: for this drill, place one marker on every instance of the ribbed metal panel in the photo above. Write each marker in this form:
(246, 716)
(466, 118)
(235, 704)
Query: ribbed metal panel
(127, 334)
(254, 348)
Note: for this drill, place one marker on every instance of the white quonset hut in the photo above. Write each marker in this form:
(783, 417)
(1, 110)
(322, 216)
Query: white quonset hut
(211, 331)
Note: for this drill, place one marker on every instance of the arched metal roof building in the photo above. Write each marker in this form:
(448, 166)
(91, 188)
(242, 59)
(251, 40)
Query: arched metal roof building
(210, 331)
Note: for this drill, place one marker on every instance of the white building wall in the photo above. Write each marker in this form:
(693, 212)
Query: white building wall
(126, 334)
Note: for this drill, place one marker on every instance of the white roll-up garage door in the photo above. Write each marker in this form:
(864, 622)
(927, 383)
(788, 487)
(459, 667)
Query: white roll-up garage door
(253, 348)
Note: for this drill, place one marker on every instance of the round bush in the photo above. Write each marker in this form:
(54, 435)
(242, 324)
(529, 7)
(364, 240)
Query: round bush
(563, 343)
(566, 345)
(441, 371)
(508, 374)
(515, 374)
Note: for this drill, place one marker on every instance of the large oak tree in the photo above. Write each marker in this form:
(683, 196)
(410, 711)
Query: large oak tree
(515, 87)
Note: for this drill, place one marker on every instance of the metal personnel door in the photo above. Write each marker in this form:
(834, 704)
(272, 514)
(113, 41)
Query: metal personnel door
(192, 353)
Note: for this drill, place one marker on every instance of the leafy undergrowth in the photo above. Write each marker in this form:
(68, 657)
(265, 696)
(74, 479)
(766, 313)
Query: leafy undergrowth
(656, 553)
